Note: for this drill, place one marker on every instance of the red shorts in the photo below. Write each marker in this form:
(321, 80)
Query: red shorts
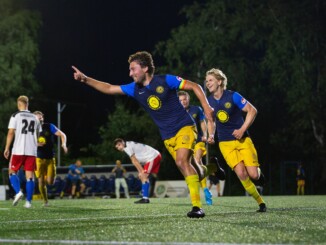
(153, 166)
(16, 161)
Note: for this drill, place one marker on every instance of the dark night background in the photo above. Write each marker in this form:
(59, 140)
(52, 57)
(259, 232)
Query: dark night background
(271, 55)
(97, 37)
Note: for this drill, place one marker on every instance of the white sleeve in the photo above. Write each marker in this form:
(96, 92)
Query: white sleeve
(12, 123)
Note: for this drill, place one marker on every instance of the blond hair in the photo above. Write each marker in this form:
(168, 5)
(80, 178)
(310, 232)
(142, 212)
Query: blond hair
(23, 99)
(184, 93)
(219, 75)
(38, 113)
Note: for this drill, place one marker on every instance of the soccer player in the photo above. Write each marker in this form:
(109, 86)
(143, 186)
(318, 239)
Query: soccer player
(213, 180)
(25, 128)
(235, 143)
(141, 154)
(119, 172)
(200, 148)
(301, 179)
(157, 94)
(45, 161)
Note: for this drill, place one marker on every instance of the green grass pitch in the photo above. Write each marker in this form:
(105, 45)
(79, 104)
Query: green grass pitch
(232, 220)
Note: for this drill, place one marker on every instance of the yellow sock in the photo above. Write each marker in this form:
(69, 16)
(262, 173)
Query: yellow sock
(43, 192)
(193, 186)
(252, 190)
(203, 183)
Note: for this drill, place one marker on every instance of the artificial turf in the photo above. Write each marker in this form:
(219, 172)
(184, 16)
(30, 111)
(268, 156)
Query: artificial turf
(288, 220)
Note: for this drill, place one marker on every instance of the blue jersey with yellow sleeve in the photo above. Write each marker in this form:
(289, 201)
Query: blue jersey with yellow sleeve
(161, 101)
(47, 150)
(228, 112)
(196, 112)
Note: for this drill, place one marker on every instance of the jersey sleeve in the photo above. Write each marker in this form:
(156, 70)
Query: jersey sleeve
(175, 82)
(201, 114)
(128, 89)
(53, 128)
(12, 123)
(239, 100)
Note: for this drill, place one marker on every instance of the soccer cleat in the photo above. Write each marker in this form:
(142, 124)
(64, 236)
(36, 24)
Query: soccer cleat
(142, 201)
(27, 204)
(262, 208)
(208, 196)
(220, 174)
(196, 212)
(17, 198)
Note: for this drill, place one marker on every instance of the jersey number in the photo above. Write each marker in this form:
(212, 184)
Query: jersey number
(28, 127)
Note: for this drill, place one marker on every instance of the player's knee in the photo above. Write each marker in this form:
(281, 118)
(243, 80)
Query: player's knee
(254, 176)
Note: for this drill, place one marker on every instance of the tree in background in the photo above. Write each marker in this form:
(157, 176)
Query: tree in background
(273, 52)
(18, 57)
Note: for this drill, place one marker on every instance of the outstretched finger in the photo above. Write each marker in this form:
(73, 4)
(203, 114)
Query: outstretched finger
(76, 70)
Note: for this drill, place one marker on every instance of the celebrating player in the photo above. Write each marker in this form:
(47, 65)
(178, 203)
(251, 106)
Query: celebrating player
(200, 148)
(157, 95)
(234, 140)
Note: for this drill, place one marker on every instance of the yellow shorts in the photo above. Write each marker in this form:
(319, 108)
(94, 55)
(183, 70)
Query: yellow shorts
(45, 167)
(200, 146)
(235, 151)
(301, 182)
(185, 138)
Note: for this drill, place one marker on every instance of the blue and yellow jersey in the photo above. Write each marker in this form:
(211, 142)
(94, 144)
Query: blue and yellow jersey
(196, 112)
(47, 136)
(161, 101)
(228, 113)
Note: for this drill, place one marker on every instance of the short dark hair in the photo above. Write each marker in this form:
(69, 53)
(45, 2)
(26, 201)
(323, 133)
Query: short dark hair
(143, 58)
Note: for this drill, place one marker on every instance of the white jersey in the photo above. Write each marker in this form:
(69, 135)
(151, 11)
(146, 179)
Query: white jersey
(27, 128)
(142, 152)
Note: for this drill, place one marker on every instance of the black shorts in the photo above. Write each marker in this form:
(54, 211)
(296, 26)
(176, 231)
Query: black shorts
(213, 180)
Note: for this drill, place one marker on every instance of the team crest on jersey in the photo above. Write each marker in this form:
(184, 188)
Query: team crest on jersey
(154, 102)
(227, 105)
(194, 115)
(243, 101)
(159, 89)
(222, 116)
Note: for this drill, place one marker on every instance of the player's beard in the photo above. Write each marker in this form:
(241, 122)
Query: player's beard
(141, 79)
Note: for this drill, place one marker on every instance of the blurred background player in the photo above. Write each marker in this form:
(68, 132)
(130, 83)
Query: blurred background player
(74, 180)
(301, 179)
(141, 154)
(213, 180)
(23, 129)
(45, 161)
(200, 148)
(120, 180)
(235, 143)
